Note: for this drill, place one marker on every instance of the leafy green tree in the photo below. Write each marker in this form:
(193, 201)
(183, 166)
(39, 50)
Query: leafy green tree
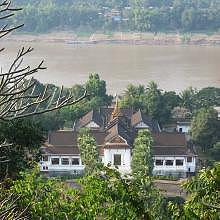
(188, 97)
(204, 197)
(171, 99)
(143, 15)
(133, 97)
(151, 100)
(95, 86)
(26, 138)
(215, 152)
(89, 152)
(45, 198)
(188, 19)
(208, 97)
(50, 121)
(142, 159)
(106, 195)
(205, 128)
(154, 105)
(66, 116)
(148, 199)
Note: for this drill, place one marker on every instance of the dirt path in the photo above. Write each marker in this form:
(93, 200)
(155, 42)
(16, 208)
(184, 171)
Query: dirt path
(170, 188)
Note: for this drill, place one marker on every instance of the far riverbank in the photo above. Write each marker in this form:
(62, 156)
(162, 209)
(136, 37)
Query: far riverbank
(120, 37)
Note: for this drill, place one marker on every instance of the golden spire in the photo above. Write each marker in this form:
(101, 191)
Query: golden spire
(116, 111)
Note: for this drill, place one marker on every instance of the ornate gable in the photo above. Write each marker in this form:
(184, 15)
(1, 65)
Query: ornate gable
(118, 140)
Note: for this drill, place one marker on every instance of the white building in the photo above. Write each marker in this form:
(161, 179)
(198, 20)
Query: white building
(183, 126)
(114, 130)
(171, 155)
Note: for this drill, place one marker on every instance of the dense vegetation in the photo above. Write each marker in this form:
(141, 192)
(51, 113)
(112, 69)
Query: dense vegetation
(104, 193)
(125, 15)
(166, 107)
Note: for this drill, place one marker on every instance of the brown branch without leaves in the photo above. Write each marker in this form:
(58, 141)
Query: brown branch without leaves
(7, 11)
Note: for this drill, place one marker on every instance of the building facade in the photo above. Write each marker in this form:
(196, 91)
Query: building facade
(115, 130)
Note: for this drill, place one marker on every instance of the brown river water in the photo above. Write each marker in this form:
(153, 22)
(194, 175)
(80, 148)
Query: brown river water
(172, 67)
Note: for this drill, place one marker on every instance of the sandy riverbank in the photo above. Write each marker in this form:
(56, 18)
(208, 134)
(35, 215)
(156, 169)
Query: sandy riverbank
(120, 37)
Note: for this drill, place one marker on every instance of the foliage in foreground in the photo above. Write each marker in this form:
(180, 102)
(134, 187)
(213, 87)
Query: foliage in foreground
(45, 198)
(103, 193)
(203, 202)
(105, 196)
(142, 158)
(89, 152)
(205, 128)
(25, 138)
(109, 196)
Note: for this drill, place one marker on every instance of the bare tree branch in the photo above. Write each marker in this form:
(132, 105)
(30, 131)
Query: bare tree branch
(19, 95)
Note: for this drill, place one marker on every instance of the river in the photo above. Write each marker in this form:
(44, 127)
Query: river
(172, 67)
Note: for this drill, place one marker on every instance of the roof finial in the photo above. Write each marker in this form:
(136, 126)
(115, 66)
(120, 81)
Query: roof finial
(116, 111)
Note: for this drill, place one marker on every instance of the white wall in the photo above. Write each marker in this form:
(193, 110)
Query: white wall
(125, 158)
(185, 128)
(48, 166)
(125, 163)
(186, 167)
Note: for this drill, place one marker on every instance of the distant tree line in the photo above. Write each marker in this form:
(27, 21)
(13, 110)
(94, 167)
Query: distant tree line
(132, 15)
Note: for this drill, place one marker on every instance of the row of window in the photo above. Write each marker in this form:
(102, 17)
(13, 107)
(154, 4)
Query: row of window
(178, 162)
(64, 161)
(168, 162)
(76, 161)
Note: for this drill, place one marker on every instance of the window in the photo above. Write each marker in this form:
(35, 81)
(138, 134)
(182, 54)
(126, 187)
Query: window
(159, 162)
(75, 161)
(189, 159)
(117, 159)
(169, 162)
(44, 158)
(65, 161)
(55, 161)
(179, 162)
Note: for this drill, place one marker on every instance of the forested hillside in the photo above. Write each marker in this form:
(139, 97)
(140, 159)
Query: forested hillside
(119, 15)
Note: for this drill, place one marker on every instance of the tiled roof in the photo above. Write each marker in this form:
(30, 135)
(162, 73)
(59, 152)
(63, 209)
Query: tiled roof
(116, 146)
(173, 144)
(114, 132)
(107, 113)
(62, 138)
(118, 129)
(69, 137)
(61, 150)
(65, 142)
(172, 151)
(93, 115)
(186, 123)
(99, 136)
(169, 139)
(66, 150)
(140, 117)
